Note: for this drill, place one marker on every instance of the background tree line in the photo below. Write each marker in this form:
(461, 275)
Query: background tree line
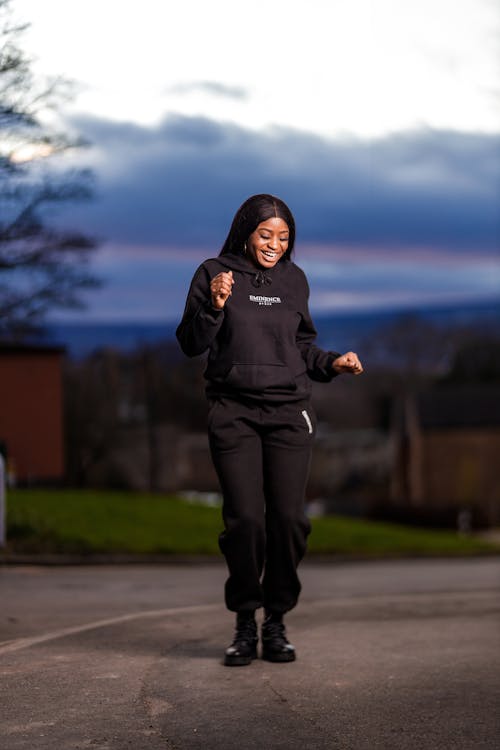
(152, 396)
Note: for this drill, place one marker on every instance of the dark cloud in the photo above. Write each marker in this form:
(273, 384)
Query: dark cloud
(212, 88)
(180, 183)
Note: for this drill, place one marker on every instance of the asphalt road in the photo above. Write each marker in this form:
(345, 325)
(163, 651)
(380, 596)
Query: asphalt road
(392, 655)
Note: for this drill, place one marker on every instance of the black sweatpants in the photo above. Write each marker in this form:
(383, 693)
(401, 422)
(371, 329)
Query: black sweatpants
(262, 454)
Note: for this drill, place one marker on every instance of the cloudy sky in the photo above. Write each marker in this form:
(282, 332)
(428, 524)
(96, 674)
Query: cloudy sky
(377, 121)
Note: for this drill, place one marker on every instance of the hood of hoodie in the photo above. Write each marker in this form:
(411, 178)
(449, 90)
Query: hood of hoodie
(260, 277)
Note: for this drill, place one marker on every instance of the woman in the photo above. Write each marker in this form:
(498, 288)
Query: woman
(249, 309)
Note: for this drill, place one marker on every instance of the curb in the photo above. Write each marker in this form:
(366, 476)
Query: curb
(108, 559)
(173, 559)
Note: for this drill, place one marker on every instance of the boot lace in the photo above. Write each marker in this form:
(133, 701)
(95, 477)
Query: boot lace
(246, 631)
(274, 631)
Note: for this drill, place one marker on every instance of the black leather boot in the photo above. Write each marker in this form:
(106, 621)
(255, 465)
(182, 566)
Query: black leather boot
(275, 646)
(244, 646)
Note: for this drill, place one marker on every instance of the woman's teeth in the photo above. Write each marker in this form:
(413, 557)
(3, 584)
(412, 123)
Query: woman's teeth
(269, 255)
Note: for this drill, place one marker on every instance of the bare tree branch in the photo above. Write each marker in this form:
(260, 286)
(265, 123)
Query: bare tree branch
(42, 266)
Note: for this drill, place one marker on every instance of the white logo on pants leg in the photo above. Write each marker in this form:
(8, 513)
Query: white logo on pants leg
(308, 421)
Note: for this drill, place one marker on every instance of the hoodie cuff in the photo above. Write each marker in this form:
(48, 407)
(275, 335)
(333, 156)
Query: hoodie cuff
(210, 313)
(332, 356)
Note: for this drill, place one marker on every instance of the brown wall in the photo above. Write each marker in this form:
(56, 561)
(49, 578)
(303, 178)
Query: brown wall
(31, 419)
(460, 467)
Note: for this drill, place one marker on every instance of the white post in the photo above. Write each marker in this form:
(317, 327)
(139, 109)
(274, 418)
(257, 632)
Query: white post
(2, 502)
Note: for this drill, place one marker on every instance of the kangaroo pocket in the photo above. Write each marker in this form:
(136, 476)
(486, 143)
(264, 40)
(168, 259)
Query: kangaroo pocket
(260, 377)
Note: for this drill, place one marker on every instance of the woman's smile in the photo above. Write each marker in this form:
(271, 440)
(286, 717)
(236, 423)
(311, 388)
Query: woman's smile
(269, 242)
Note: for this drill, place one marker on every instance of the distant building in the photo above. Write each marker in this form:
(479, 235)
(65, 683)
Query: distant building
(31, 412)
(447, 453)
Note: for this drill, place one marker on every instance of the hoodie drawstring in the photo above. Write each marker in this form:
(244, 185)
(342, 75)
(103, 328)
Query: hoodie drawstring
(261, 278)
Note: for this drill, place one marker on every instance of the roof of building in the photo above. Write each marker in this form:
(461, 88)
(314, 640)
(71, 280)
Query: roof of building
(464, 406)
(8, 347)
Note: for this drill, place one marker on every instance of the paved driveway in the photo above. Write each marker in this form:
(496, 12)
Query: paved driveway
(392, 655)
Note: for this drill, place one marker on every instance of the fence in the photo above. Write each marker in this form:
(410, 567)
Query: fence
(2, 502)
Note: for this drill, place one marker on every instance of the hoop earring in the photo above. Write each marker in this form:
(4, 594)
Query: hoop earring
(245, 249)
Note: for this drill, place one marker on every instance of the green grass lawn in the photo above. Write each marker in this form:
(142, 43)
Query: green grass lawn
(87, 521)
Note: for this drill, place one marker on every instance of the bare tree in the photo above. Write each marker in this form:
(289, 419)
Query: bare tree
(42, 266)
(93, 389)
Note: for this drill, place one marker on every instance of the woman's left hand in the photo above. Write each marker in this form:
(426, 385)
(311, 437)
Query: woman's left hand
(348, 363)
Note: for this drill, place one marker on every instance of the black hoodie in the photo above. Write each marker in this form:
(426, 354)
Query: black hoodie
(261, 344)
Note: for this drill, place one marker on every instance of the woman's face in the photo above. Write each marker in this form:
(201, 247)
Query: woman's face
(268, 243)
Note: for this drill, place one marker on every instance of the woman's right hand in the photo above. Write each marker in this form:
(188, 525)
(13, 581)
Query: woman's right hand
(221, 288)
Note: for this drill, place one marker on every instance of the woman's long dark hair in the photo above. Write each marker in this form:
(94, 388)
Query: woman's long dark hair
(250, 214)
